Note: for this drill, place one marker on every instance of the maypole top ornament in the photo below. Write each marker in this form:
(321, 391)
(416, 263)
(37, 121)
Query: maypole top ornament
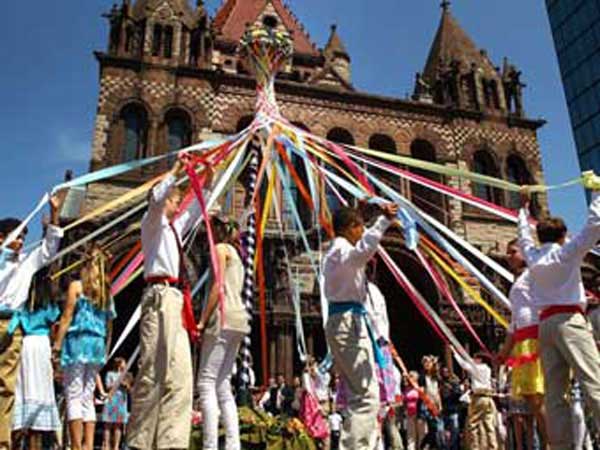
(266, 51)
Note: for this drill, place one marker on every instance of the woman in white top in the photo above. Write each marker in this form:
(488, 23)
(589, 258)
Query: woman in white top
(222, 331)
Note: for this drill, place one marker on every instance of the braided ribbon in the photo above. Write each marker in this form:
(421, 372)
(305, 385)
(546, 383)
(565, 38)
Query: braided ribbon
(266, 51)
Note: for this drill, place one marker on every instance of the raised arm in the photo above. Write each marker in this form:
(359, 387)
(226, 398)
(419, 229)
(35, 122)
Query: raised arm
(42, 255)
(463, 363)
(526, 240)
(365, 248)
(189, 217)
(586, 239)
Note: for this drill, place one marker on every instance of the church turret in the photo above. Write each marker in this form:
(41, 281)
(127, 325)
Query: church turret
(337, 56)
(459, 74)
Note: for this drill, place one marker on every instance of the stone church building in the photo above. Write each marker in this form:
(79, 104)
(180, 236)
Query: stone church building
(170, 76)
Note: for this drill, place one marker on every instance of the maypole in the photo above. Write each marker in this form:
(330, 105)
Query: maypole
(265, 50)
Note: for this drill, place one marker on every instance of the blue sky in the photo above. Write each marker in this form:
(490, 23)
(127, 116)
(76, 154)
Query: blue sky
(49, 77)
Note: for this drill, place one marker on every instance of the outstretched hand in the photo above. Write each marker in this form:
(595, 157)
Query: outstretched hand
(56, 202)
(525, 196)
(390, 210)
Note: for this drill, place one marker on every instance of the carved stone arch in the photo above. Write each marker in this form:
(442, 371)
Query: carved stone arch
(118, 105)
(426, 134)
(383, 142)
(428, 200)
(517, 169)
(169, 107)
(117, 135)
(477, 143)
(484, 159)
(341, 135)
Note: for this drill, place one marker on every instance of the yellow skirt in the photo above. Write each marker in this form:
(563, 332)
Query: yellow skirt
(527, 375)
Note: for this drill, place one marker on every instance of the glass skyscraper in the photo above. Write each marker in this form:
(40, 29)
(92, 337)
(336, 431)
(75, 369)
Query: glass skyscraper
(576, 29)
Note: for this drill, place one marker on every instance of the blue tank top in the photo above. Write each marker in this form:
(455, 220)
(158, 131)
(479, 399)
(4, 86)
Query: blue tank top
(85, 342)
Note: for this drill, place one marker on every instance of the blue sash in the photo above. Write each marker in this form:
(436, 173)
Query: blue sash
(360, 310)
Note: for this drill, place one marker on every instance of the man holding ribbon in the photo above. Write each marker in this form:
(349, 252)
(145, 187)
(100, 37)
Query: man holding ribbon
(17, 269)
(565, 337)
(348, 331)
(162, 394)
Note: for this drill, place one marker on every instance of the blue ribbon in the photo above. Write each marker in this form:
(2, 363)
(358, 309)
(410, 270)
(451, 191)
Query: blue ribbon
(409, 225)
(131, 165)
(360, 310)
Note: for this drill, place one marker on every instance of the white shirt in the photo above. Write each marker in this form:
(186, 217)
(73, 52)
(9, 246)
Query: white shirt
(555, 269)
(480, 374)
(377, 309)
(16, 274)
(524, 312)
(159, 243)
(335, 421)
(344, 275)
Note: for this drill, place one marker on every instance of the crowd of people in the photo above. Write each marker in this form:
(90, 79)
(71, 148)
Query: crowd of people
(538, 391)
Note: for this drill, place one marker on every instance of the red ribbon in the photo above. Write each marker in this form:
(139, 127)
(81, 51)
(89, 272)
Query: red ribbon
(197, 185)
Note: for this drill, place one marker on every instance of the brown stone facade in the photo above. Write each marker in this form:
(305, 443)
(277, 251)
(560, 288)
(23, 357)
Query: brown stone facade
(208, 86)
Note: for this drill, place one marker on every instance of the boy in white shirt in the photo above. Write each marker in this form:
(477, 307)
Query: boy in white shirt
(565, 337)
(351, 340)
(162, 394)
(16, 272)
(482, 415)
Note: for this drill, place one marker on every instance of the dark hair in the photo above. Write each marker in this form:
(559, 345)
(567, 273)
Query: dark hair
(512, 243)
(224, 229)
(345, 218)
(552, 229)
(9, 224)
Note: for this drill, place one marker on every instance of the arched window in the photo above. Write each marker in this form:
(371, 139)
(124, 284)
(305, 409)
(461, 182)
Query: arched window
(157, 36)
(339, 136)
(243, 123)
(134, 120)
(424, 197)
(179, 129)
(484, 163)
(168, 42)
(517, 173)
(129, 38)
(383, 143)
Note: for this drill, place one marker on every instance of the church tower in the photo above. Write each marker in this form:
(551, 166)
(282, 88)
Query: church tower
(460, 75)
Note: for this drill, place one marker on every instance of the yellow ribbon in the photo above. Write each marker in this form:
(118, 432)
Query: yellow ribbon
(468, 289)
(113, 204)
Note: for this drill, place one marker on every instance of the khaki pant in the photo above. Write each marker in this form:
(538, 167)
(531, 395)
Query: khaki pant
(352, 351)
(481, 423)
(566, 342)
(162, 395)
(10, 356)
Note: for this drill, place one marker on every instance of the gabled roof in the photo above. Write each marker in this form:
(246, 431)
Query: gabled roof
(452, 42)
(145, 8)
(335, 46)
(233, 16)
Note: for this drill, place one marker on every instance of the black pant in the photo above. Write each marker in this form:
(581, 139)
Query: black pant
(335, 440)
